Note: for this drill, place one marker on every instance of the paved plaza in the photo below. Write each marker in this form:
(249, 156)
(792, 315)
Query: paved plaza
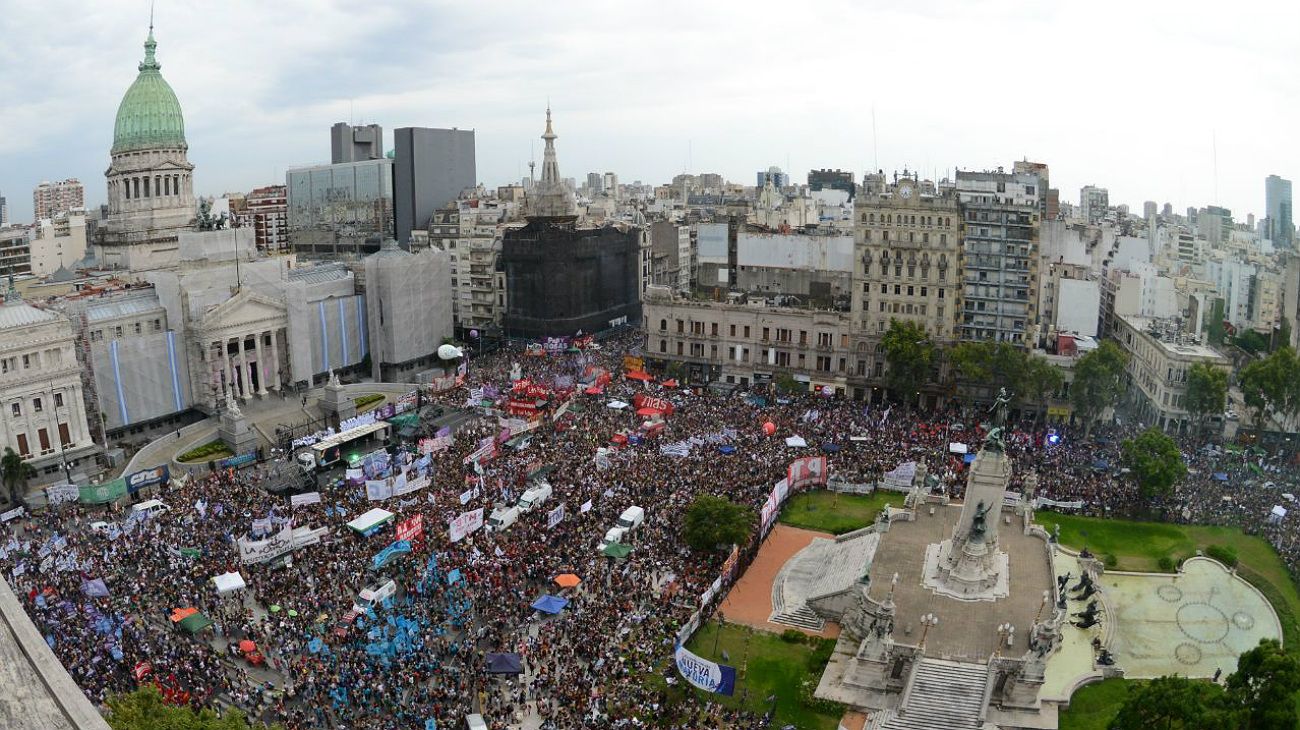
(966, 629)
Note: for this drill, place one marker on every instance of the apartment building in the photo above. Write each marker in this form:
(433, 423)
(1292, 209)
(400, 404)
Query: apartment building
(1160, 355)
(1001, 215)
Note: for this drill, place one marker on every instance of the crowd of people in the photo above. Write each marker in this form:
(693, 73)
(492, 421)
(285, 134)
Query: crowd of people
(586, 667)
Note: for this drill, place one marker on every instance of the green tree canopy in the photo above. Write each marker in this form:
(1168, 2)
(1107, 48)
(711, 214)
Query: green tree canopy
(1098, 376)
(1171, 703)
(1214, 328)
(144, 709)
(1002, 365)
(1207, 391)
(1155, 461)
(1272, 385)
(909, 354)
(15, 472)
(1251, 341)
(1263, 688)
(713, 522)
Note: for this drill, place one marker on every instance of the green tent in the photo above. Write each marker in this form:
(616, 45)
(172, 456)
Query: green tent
(195, 622)
(102, 493)
(406, 419)
(617, 550)
(191, 552)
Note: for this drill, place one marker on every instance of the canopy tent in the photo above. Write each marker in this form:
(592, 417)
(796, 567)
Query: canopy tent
(180, 614)
(1220, 476)
(594, 390)
(550, 604)
(406, 419)
(195, 622)
(830, 448)
(567, 580)
(229, 583)
(796, 442)
(727, 449)
(368, 522)
(1278, 511)
(639, 375)
(1288, 496)
(617, 405)
(617, 550)
(968, 458)
(957, 447)
(670, 383)
(649, 412)
(504, 664)
(1101, 465)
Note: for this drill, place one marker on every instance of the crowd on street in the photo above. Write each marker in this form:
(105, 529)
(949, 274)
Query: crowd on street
(421, 656)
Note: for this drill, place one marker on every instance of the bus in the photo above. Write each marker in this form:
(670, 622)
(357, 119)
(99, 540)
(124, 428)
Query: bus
(347, 444)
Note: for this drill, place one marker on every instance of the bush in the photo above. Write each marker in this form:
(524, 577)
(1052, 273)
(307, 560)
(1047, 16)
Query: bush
(1110, 560)
(367, 399)
(1166, 563)
(792, 636)
(1223, 554)
(208, 450)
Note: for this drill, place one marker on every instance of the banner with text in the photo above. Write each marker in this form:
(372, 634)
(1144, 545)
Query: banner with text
(465, 524)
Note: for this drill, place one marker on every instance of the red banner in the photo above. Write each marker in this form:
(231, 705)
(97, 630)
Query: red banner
(642, 400)
(411, 529)
(807, 470)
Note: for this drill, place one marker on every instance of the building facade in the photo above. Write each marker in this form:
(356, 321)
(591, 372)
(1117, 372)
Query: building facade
(832, 180)
(1000, 255)
(340, 211)
(471, 236)
(1280, 211)
(1093, 203)
(267, 211)
(51, 199)
(1159, 358)
(15, 251)
(431, 168)
(350, 143)
(59, 242)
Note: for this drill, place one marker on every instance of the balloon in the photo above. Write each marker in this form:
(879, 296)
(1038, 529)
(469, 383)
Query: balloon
(769, 428)
(448, 352)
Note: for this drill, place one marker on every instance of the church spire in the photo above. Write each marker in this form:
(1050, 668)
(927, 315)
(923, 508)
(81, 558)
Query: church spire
(550, 168)
(551, 197)
(150, 45)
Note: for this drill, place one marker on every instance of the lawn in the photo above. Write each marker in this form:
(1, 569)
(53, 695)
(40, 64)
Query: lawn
(1139, 546)
(836, 513)
(1094, 706)
(767, 665)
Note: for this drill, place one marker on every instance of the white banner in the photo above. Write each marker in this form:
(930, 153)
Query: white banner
(554, 517)
(465, 524)
(378, 489)
(1040, 502)
(410, 484)
(12, 514)
(260, 551)
(704, 674)
(468, 494)
(586, 507)
(301, 500)
(62, 493)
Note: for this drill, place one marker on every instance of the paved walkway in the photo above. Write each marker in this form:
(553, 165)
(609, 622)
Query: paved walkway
(750, 599)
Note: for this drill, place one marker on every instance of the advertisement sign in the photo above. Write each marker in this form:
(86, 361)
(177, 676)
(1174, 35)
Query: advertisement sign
(411, 529)
(554, 517)
(704, 674)
(302, 500)
(807, 470)
(102, 493)
(260, 551)
(466, 523)
(146, 478)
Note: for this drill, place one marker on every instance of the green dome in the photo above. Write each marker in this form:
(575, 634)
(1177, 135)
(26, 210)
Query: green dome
(149, 116)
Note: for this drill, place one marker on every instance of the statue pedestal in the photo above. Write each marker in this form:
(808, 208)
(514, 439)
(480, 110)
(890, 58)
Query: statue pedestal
(233, 429)
(336, 402)
(976, 574)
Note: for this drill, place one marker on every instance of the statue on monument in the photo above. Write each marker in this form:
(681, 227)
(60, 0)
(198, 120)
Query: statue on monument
(231, 407)
(994, 442)
(977, 524)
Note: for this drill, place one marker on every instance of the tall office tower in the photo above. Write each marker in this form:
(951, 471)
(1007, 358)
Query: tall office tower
(50, 199)
(430, 169)
(1149, 209)
(779, 179)
(595, 183)
(832, 180)
(4, 212)
(1000, 246)
(354, 144)
(1093, 202)
(1278, 206)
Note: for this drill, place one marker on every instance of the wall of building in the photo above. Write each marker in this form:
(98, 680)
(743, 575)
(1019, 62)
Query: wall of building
(430, 169)
(1077, 306)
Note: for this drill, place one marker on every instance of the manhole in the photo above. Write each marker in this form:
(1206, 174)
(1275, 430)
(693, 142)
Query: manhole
(1243, 620)
(1170, 592)
(1202, 622)
(1187, 654)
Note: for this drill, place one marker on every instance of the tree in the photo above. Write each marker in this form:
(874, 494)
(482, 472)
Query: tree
(1262, 690)
(1040, 380)
(1207, 391)
(1171, 703)
(713, 522)
(1002, 365)
(1097, 378)
(1272, 385)
(1251, 341)
(909, 354)
(144, 709)
(1155, 461)
(1214, 328)
(15, 472)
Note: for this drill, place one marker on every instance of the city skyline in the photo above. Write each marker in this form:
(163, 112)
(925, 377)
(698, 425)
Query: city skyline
(647, 94)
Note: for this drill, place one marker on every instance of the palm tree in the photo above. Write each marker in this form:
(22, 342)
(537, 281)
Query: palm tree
(15, 472)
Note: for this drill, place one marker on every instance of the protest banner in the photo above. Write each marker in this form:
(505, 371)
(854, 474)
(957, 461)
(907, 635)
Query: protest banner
(260, 551)
(704, 674)
(806, 471)
(555, 516)
(465, 524)
(302, 500)
(411, 528)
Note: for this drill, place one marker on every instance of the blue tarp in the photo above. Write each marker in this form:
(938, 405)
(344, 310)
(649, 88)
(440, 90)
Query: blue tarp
(1101, 465)
(1221, 476)
(968, 458)
(504, 664)
(550, 604)
(830, 448)
(727, 449)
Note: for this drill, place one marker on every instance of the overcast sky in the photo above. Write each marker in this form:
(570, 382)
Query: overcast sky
(1133, 96)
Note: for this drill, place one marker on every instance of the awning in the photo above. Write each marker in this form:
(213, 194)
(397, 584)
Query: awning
(370, 520)
(617, 405)
(957, 447)
(195, 622)
(617, 550)
(504, 664)
(796, 442)
(550, 604)
(229, 583)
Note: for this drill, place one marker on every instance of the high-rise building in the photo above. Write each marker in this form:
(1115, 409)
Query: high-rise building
(430, 169)
(1000, 255)
(595, 183)
(831, 180)
(906, 263)
(1278, 207)
(50, 199)
(610, 185)
(4, 212)
(15, 252)
(340, 211)
(350, 143)
(1149, 209)
(267, 211)
(1093, 202)
(779, 179)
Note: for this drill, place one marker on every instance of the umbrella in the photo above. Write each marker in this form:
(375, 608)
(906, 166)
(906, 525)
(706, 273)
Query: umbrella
(638, 375)
(293, 613)
(246, 646)
(617, 550)
(195, 622)
(275, 608)
(504, 664)
(727, 449)
(670, 383)
(567, 580)
(550, 604)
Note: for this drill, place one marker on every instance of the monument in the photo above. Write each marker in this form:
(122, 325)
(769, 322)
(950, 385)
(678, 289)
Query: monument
(336, 402)
(234, 430)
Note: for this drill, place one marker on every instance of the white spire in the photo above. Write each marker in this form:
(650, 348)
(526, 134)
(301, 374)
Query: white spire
(551, 198)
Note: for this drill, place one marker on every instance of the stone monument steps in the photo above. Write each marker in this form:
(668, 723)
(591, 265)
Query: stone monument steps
(944, 695)
(824, 566)
(802, 618)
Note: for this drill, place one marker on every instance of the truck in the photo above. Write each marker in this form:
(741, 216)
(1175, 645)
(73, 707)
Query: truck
(535, 496)
(615, 535)
(502, 518)
(631, 518)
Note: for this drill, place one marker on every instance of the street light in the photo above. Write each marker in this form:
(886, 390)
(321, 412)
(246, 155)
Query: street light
(1006, 635)
(1047, 596)
(927, 621)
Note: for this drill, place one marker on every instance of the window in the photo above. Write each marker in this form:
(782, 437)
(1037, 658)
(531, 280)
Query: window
(823, 364)
(23, 449)
(679, 348)
(747, 332)
(117, 332)
(713, 352)
(911, 291)
(884, 288)
(65, 438)
(783, 359)
(58, 400)
(157, 325)
(733, 330)
(744, 355)
(713, 329)
(824, 339)
(765, 333)
(44, 437)
(925, 291)
(16, 409)
(37, 406)
(940, 293)
(803, 361)
(803, 337)
(27, 361)
(663, 325)
(898, 290)
(137, 327)
(663, 345)
(898, 271)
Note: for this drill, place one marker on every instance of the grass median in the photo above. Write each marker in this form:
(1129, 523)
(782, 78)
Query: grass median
(836, 513)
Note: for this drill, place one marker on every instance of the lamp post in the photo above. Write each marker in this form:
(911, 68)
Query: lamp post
(1006, 635)
(1047, 596)
(927, 621)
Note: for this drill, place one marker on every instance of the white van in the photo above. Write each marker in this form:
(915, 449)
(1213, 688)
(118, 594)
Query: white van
(535, 496)
(150, 508)
(373, 596)
(614, 536)
(502, 518)
(631, 518)
(475, 722)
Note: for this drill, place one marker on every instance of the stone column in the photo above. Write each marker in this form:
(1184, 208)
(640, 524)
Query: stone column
(245, 389)
(205, 352)
(275, 360)
(261, 363)
(228, 367)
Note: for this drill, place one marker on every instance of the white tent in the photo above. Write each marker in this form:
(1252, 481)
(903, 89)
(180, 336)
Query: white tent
(229, 583)
(617, 405)
(795, 442)
(1279, 511)
(957, 448)
(370, 520)
(1288, 497)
